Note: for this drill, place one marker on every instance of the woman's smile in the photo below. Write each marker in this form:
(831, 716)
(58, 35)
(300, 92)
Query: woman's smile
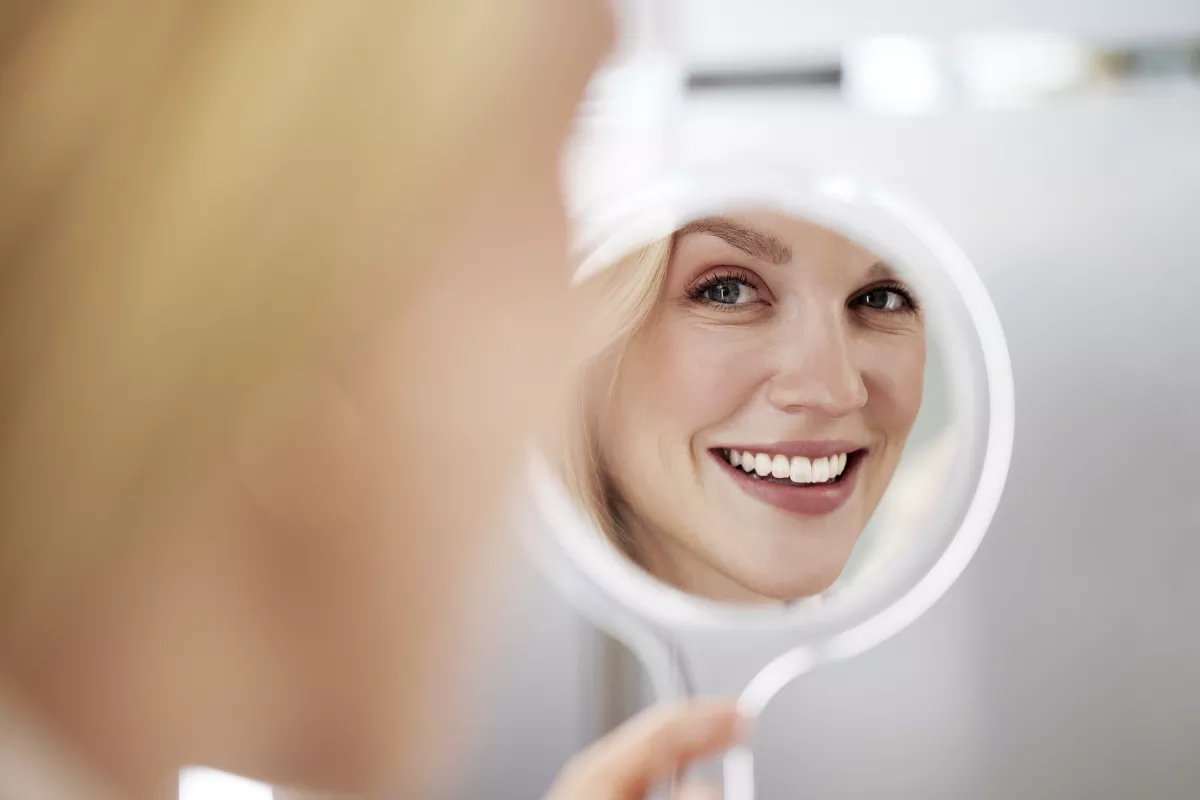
(809, 478)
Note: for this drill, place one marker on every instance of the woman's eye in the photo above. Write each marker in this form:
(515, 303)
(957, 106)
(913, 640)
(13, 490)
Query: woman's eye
(729, 293)
(883, 300)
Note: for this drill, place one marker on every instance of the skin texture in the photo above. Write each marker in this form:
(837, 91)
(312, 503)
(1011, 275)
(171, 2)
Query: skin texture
(798, 355)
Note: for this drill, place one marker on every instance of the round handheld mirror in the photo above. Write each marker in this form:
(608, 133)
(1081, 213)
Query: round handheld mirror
(791, 422)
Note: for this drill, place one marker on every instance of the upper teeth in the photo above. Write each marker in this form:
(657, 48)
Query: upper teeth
(797, 469)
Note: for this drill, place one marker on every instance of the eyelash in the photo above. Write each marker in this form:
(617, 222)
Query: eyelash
(891, 286)
(727, 275)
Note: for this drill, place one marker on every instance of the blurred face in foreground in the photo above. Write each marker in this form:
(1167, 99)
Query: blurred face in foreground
(411, 459)
(289, 610)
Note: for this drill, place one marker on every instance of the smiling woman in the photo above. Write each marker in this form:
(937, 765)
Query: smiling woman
(747, 394)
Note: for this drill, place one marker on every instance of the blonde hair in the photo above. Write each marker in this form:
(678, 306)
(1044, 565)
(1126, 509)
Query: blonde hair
(195, 193)
(618, 300)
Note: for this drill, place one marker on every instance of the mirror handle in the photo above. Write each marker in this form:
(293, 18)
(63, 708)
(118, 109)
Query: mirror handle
(738, 764)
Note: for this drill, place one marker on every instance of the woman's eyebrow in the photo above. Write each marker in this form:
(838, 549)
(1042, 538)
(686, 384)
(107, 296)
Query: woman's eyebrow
(759, 244)
(882, 271)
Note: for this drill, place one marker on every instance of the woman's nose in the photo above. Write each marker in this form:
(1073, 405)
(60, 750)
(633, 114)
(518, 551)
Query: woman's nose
(816, 372)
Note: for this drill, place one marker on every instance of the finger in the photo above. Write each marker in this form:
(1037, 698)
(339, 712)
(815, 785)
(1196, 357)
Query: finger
(657, 743)
(699, 791)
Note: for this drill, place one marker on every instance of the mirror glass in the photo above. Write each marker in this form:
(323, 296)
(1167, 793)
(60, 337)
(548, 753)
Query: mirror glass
(760, 414)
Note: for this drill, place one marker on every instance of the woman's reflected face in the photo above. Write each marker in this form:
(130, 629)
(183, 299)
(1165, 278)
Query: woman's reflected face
(760, 413)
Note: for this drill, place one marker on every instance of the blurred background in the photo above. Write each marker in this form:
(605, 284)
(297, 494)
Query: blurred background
(1059, 143)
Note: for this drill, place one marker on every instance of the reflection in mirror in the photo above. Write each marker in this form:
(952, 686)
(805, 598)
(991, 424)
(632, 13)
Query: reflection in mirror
(749, 389)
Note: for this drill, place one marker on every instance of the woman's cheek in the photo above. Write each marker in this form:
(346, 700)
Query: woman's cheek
(894, 370)
(699, 374)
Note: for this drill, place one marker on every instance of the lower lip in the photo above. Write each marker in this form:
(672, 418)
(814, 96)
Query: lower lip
(805, 499)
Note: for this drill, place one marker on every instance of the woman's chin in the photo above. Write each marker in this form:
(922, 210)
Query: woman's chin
(765, 588)
(772, 585)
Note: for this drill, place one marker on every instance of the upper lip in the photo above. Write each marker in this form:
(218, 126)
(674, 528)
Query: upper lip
(807, 449)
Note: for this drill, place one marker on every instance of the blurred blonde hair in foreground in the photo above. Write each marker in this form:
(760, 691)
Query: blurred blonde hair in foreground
(201, 194)
(143, 287)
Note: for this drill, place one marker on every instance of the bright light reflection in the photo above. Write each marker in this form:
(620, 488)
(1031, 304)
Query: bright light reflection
(895, 75)
(209, 784)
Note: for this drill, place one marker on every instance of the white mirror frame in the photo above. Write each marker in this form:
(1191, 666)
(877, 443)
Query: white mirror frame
(979, 375)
